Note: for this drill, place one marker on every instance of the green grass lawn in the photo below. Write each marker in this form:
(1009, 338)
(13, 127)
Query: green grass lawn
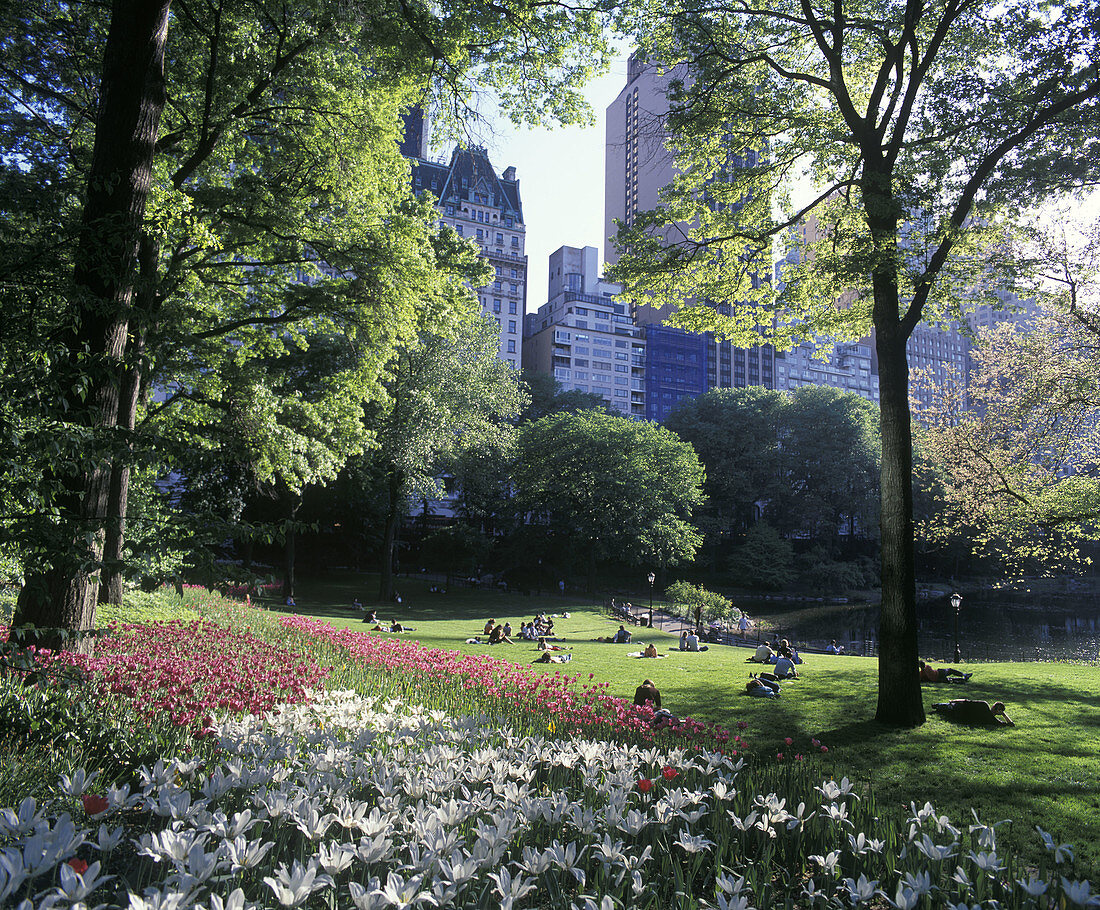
(1044, 771)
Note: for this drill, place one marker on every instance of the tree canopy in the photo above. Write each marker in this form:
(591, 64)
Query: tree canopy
(195, 194)
(921, 125)
(608, 487)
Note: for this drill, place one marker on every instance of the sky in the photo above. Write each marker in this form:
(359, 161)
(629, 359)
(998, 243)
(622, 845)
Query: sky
(560, 174)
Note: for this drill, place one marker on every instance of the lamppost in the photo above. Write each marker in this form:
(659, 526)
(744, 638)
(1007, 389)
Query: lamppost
(956, 602)
(651, 578)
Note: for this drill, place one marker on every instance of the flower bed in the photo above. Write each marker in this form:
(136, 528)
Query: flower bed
(565, 701)
(186, 671)
(347, 801)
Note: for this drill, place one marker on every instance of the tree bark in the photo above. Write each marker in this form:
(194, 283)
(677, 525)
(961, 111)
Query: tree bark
(61, 590)
(389, 537)
(290, 547)
(111, 587)
(899, 694)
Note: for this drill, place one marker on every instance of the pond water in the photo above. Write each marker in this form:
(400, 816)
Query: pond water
(989, 629)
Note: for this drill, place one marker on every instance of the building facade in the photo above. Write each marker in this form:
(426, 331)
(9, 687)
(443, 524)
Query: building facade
(485, 207)
(585, 339)
(638, 165)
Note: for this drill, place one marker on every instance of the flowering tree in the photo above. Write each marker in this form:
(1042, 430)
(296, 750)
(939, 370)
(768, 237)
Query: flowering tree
(1015, 450)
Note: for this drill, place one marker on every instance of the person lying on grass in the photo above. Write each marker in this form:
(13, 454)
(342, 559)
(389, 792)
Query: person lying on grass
(547, 658)
(979, 713)
(762, 688)
(932, 674)
(544, 645)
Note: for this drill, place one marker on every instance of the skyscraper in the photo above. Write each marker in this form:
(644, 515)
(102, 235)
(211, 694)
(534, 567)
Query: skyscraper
(638, 165)
(485, 207)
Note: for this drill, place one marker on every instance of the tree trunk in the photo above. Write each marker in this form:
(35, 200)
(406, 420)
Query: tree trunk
(289, 550)
(111, 587)
(389, 536)
(61, 590)
(899, 694)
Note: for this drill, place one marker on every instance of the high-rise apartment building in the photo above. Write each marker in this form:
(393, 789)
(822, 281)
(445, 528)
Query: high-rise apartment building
(585, 339)
(638, 165)
(483, 206)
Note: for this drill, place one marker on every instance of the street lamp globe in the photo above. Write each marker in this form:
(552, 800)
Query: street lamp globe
(651, 578)
(956, 603)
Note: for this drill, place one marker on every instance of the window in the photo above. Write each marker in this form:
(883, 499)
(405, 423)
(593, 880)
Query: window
(515, 274)
(458, 228)
(500, 239)
(480, 233)
(515, 240)
(513, 289)
(511, 346)
(511, 325)
(582, 311)
(512, 307)
(496, 306)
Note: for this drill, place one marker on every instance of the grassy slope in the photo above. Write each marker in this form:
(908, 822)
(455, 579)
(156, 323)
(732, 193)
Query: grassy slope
(1044, 771)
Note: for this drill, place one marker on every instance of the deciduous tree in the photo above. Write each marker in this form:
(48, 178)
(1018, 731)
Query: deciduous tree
(610, 488)
(921, 124)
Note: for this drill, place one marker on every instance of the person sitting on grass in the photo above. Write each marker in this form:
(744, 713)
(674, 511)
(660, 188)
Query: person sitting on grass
(507, 629)
(979, 713)
(371, 615)
(647, 693)
(622, 637)
(834, 648)
(763, 655)
(928, 673)
(489, 626)
(762, 688)
(650, 650)
(397, 627)
(784, 667)
(497, 636)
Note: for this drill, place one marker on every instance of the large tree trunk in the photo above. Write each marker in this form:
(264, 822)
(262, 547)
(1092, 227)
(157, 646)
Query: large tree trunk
(394, 511)
(111, 587)
(61, 590)
(133, 388)
(291, 547)
(899, 694)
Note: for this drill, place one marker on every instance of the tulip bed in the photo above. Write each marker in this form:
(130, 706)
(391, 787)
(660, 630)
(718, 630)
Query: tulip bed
(451, 781)
(350, 801)
(566, 702)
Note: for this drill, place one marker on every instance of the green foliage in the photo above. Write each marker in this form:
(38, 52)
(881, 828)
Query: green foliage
(764, 559)
(548, 397)
(808, 459)
(1007, 453)
(457, 550)
(280, 262)
(610, 488)
(686, 598)
(68, 726)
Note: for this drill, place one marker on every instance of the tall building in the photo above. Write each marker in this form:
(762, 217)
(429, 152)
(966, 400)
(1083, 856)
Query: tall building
(483, 206)
(638, 165)
(585, 339)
